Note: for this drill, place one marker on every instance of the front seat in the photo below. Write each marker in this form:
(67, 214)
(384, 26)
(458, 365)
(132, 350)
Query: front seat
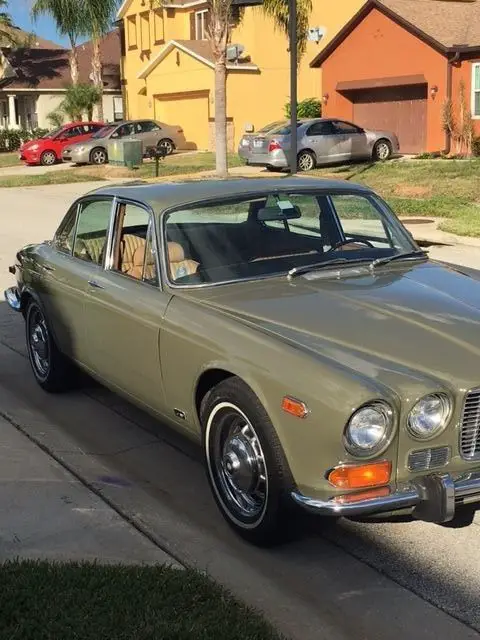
(128, 245)
(179, 266)
(138, 262)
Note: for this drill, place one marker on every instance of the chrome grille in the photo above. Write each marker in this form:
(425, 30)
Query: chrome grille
(470, 426)
(426, 459)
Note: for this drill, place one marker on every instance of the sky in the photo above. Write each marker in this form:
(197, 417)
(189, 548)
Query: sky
(44, 27)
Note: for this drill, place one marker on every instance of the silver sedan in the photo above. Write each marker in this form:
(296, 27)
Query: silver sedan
(320, 141)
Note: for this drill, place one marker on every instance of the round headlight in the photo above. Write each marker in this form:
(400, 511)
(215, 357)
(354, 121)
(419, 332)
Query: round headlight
(368, 429)
(429, 416)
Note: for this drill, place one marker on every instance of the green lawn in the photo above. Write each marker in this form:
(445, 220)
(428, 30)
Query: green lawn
(179, 164)
(54, 177)
(9, 159)
(42, 601)
(447, 189)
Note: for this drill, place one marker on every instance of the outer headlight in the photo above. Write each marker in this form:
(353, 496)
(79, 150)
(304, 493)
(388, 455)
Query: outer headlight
(369, 429)
(34, 147)
(429, 416)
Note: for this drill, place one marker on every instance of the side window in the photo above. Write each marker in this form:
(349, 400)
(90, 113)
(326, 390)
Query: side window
(321, 129)
(346, 127)
(360, 219)
(63, 240)
(135, 255)
(92, 230)
(148, 126)
(72, 132)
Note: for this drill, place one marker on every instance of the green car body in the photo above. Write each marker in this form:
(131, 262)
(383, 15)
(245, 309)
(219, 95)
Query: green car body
(331, 340)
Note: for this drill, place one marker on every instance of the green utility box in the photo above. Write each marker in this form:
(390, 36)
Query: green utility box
(125, 153)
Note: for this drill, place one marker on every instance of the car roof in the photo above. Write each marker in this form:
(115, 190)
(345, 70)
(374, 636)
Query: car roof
(166, 195)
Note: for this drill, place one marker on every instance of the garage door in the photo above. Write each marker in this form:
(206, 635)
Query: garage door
(402, 110)
(190, 111)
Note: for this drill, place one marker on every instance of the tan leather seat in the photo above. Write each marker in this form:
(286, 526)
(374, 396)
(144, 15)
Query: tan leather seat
(90, 249)
(128, 245)
(179, 266)
(136, 271)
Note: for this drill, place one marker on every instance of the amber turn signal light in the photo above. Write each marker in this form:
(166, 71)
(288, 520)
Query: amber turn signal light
(294, 407)
(371, 494)
(361, 476)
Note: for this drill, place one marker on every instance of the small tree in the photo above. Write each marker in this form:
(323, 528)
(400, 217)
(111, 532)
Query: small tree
(308, 108)
(461, 130)
(80, 100)
(55, 119)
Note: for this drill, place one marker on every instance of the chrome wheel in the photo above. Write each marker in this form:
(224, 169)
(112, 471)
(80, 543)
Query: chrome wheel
(167, 146)
(48, 158)
(39, 344)
(99, 156)
(306, 162)
(382, 150)
(236, 464)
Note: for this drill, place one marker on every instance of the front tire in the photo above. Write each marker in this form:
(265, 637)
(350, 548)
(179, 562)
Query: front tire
(48, 158)
(98, 156)
(52, 370)
(382, 150)
(246, 467)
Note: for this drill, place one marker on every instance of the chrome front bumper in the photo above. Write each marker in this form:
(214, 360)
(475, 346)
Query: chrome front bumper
(432, 498)
(13, 299)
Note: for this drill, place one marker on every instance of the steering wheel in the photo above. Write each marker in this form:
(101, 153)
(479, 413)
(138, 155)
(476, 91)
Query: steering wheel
(342, 243)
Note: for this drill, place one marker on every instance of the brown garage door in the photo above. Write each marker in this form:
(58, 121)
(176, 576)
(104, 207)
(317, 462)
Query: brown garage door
(402, 110)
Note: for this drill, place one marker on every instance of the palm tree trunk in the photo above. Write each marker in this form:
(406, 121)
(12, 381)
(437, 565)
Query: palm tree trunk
(74, 65)
(97, 76)
(221, 117)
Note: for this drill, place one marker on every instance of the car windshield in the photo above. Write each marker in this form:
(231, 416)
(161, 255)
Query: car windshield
(273, 234)
(273, 125)
(104, 131)
(52, 134)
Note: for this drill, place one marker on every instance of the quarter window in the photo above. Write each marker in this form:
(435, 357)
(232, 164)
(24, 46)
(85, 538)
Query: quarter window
(63, 240)
(92, 230)
(476, 90)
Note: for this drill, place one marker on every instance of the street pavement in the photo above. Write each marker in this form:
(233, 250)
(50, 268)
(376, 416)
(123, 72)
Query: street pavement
(364, 580)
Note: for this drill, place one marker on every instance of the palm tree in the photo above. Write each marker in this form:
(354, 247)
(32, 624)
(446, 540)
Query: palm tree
(218, 32)
(97, 18)
(6, 25)
(67, 16)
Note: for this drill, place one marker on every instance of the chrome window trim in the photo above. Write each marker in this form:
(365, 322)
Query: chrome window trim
(151, 225)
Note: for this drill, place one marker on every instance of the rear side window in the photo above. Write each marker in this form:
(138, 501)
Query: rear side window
(346, 127)
(321, 129)
(146, 127)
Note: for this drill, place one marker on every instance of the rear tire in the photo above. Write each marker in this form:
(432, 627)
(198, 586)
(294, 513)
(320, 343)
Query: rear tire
(246, 466)
(52, 370)
(306, 161)
(167, 145)
(382, 150)
(48, 158)
(271, 169)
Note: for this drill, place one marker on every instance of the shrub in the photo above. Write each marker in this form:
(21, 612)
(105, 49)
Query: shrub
(476, 147)
(309, 108)
(12, 139)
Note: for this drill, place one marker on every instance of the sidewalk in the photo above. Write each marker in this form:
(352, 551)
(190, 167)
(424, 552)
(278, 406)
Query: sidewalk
(48, 514)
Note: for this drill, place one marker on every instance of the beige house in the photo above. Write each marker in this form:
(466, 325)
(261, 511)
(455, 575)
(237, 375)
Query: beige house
(33, 81)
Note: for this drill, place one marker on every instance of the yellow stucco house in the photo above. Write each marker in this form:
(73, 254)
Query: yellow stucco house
(168, 70)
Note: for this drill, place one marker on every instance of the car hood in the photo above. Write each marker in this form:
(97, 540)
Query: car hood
(421, 320)
(30, 143)
(98, 142)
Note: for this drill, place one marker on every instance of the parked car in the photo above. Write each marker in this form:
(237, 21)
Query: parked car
(150, 132)
(292, 326)
(47, 150)
(320, 141)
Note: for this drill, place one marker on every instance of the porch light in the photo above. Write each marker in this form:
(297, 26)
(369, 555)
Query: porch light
(434, 91)
(325, 98)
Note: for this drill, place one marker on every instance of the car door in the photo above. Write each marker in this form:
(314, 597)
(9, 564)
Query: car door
(145, 131)
(70, 136)
(322, 138)
(124, 309)
(355, 143)
(65, 267)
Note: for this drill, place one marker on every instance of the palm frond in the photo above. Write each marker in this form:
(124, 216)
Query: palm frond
(280, 12)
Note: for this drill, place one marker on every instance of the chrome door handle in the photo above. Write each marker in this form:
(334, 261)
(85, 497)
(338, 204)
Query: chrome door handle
(95, 284)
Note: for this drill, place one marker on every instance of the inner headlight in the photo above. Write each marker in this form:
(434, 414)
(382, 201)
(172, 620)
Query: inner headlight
(429, 416)
(369, 429)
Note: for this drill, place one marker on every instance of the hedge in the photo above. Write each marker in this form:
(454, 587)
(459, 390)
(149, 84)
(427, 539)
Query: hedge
(12, 139)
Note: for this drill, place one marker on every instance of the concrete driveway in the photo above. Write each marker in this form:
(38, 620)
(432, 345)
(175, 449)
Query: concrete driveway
(378, 580)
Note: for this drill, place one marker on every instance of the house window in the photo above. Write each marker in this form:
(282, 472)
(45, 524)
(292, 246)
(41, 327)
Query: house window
(145, 31)
(132, 32)
(201, 25)
(117, 108)
(476, 90)
(158, 26)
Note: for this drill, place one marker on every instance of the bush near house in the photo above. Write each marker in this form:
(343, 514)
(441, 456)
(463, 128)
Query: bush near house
(12, 139)
(309, 108)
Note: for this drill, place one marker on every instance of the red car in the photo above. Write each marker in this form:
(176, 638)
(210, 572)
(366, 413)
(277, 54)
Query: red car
(48, 149)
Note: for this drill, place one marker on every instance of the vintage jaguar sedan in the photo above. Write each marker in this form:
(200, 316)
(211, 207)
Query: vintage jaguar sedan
(292, 326)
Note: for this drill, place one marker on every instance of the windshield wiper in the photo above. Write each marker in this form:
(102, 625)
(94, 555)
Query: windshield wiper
(298, 271)
(408, 255)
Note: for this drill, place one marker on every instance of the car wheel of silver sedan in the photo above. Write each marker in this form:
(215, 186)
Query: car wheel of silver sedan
(246, 467)
(306, 161)
(51, 369)
(382, 150)
(98, 156)
(167, 146)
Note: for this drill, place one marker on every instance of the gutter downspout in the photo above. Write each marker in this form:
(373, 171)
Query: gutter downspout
(450, 63)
